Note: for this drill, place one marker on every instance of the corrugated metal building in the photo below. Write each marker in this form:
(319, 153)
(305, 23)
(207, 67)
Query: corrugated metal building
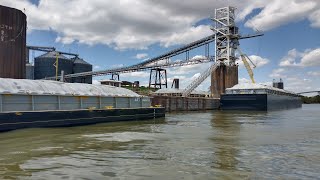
(12, 43)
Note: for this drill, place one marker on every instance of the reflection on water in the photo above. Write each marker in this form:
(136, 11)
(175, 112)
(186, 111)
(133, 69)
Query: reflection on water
(225, 139)
(195, 145)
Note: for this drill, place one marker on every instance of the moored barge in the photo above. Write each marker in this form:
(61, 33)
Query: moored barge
(40, 103)
(259, 97)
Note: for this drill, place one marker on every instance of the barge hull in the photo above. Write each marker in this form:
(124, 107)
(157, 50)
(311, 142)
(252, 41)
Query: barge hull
(258, 102)
(39, 119)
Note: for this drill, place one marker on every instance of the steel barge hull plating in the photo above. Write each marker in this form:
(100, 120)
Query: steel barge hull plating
(251, 96)
(259, 102)
(38, 119)
(39, 103)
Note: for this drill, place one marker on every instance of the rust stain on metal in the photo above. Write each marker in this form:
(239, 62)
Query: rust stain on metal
(174, 103)
(12, 43)
(223, 77)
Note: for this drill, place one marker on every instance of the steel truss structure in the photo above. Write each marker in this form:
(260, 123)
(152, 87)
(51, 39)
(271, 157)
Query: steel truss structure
(153, 61)
(226, 44)
(158, 78)
(227, 37)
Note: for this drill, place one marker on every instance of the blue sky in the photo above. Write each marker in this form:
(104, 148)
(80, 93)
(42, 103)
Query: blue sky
(115, 33)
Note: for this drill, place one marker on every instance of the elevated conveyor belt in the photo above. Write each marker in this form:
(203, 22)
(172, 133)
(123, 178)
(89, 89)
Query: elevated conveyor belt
(148, 64)
(194, 84)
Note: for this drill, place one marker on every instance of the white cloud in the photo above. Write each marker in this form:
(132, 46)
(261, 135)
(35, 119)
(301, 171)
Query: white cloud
(314, 73)
(277, 73)
(308, 58)
(96, 67)
(140, 23)
(298, 84)
(290, 58)
(257, 60)
(311, 58)
(121, 25)
(141, 56)
(297, 81)
(276, 13)
(65, 40)
(193, 69)
(117, 66)
(192, 34)
(315, 18)
(244, 80)
(198, 57)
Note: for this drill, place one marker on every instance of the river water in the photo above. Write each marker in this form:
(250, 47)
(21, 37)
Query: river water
(194, 145)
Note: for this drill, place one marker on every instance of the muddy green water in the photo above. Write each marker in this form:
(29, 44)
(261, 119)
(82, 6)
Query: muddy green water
(196, 145)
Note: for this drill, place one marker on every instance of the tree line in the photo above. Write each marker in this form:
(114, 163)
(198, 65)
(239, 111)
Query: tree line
(311, 100)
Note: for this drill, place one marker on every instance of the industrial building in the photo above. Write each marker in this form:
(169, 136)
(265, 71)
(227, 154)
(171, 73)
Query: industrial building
(111, 82)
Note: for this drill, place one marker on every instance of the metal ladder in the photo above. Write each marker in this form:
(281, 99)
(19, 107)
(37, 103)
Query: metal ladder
(194, 84)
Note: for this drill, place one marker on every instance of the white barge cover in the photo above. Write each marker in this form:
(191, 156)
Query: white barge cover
(256, 86)
(46, 87)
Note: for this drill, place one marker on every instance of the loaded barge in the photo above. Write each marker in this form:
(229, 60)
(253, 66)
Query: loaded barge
(41, 103)
(250, 96)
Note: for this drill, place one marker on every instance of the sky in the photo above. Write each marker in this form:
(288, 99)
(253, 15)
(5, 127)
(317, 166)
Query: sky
(111, 34)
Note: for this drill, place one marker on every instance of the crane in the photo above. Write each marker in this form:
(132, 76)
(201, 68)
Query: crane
(244, 58)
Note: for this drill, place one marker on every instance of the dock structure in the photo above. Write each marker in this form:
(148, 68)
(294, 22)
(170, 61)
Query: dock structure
(227, 41)
(173, 100)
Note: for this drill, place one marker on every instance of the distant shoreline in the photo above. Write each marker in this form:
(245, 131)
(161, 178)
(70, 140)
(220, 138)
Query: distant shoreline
(311, 100)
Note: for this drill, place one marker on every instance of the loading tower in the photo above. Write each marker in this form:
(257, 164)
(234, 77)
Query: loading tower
(226, 43)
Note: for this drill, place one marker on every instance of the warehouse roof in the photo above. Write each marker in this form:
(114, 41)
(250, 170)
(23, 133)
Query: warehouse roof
(46, 87)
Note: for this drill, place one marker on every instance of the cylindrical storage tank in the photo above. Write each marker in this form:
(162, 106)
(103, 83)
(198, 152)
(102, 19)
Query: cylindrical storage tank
(29, 71)
(12, 43)
(44, 65)
(79, 66)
